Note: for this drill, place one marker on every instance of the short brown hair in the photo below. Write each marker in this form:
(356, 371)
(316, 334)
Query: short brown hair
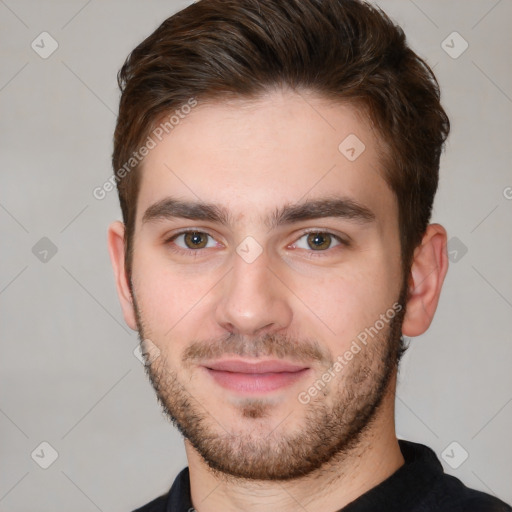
(344, 50)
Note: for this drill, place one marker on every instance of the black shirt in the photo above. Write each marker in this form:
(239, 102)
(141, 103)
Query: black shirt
(420, 485)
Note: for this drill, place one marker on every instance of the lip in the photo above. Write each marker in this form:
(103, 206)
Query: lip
(256, 367)
(254, 377)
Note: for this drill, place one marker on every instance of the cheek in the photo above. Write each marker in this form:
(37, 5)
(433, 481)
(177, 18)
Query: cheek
(340, 306)
(170, 300)
(348, 300)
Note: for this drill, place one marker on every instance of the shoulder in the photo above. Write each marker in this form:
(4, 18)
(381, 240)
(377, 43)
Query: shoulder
(450, 494)
(157, 505)
(178, 497)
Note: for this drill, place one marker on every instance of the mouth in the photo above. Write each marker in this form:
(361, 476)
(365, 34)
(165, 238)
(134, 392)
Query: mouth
(244, 376)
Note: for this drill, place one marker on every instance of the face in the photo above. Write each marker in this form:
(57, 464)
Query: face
(266, 277)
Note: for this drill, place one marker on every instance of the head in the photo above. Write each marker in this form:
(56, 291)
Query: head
(298, 142)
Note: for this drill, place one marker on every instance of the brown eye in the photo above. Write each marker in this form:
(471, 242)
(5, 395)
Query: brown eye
(195, 239)
(319, 241)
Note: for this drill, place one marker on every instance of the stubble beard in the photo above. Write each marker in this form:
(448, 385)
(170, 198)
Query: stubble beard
(267, 450)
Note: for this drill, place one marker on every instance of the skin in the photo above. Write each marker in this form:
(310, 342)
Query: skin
(252, 157)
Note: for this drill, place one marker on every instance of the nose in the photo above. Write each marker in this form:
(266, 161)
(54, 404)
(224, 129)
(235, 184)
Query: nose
(252, 300)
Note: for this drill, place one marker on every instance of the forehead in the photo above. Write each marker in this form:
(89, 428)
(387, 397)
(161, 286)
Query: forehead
(253, 156)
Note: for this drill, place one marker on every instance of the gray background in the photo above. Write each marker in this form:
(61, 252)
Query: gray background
(69, 375)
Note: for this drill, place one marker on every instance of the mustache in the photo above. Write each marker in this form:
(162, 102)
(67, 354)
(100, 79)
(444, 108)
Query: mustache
(277, 346)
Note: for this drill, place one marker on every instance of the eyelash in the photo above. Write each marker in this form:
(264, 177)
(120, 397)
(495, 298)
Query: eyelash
(196, 252)
(193, 253)
(318, 254)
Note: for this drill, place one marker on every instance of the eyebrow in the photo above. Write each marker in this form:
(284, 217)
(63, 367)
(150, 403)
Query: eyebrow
(337, 207)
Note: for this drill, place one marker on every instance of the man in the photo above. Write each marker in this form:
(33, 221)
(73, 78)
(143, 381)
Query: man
(276, 163)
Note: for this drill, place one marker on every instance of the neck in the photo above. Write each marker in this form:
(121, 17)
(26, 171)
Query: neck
(376, 457)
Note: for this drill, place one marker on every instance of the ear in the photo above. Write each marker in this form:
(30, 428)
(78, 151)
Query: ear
(428, 270)
(116, 251)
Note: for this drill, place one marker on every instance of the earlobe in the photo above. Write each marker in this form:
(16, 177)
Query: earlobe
(116, 250)
(428, 271)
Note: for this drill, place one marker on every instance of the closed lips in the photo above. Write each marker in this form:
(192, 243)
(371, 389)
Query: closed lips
(260, 367)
